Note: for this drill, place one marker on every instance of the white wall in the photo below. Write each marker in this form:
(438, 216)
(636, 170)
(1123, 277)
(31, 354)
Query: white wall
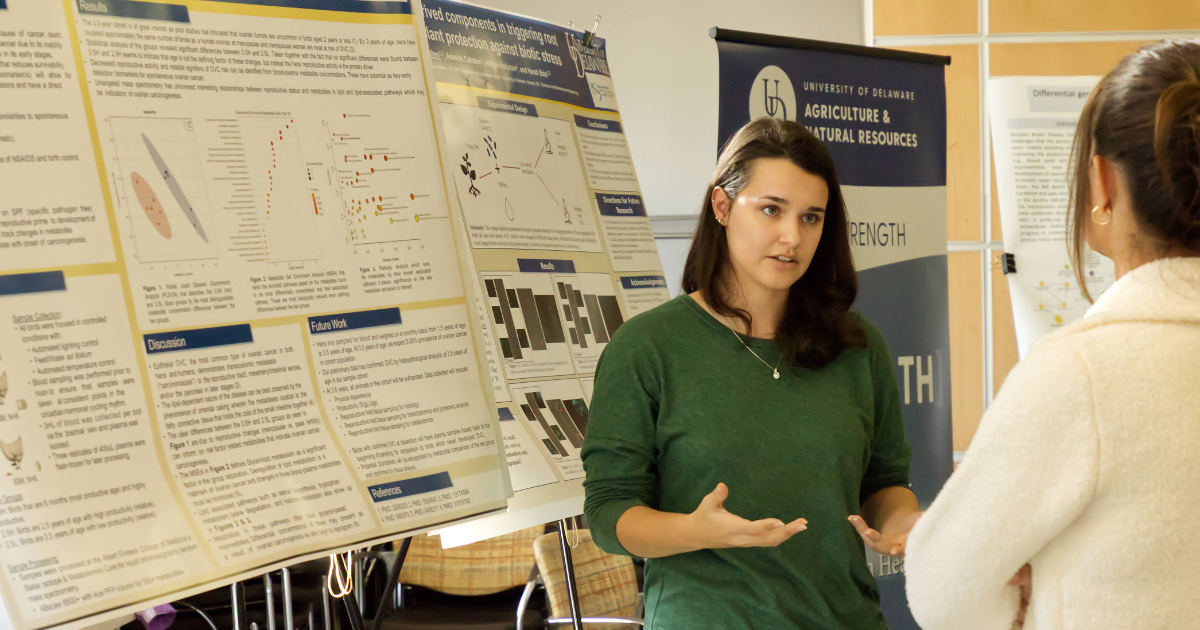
(664, 66)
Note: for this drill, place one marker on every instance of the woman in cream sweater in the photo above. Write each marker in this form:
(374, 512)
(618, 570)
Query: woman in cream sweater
(1087, 466)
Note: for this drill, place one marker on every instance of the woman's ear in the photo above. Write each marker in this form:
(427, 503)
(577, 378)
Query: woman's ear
(1104, 182)
(720, 204)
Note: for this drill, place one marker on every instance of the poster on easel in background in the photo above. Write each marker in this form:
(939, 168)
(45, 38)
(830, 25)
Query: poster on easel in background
(1033, 122)
(560, 243)
(236, 331)
(882, 114)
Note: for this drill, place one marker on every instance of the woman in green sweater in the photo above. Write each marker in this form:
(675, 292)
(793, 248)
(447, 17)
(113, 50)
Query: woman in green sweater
(746, 437)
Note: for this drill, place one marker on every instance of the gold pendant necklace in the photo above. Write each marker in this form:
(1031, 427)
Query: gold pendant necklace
(775, 369)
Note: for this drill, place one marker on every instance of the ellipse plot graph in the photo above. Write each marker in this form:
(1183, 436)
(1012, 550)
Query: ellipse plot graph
(150, 217)
(151, 205)
(173, 186)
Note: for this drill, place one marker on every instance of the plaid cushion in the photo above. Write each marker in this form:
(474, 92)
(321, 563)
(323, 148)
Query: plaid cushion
(607, 584)
(487, 566)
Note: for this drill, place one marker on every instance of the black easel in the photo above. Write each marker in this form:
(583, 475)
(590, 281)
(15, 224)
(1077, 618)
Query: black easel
(569, 573)
(393, 578)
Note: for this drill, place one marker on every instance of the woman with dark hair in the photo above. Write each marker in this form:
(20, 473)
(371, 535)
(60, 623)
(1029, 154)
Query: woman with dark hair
(752, 408)
(1083, 478)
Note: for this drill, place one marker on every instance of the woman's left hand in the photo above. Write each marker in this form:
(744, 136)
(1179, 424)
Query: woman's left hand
(893, 537)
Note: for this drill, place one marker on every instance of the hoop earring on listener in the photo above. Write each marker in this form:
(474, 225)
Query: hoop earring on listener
(1107, 216)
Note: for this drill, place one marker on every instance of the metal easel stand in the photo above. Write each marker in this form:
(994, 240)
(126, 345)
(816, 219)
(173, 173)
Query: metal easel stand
(393, 579)
(569, 574)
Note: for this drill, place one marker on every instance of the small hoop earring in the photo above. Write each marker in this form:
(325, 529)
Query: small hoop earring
(1107, 215)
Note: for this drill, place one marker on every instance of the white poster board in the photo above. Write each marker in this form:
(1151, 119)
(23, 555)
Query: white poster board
(1033, 123)
(236, 332)
(561, 248)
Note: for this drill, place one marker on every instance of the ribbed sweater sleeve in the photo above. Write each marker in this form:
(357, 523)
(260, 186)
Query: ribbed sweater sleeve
(890, 451)
(1031, 470)
(619, 449)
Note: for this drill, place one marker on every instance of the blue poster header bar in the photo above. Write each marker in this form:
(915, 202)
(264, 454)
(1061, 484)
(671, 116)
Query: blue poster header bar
(542, 265)
(643, 282)
(409, 487)
(597, 124)
(506, 414)
(350, 321)
(620, 205)
(340, 6)
(198, 338)
(141, 10)
(40, 282)
(512, 107)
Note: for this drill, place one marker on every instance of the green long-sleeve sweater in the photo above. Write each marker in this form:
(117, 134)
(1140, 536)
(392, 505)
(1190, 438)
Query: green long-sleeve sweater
(679, 405)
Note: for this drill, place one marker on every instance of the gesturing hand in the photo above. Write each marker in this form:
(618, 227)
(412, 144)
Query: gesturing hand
(714, 527)
(892, 540)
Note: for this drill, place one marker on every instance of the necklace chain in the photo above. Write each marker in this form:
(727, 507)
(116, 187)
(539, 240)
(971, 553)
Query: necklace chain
(773, 369)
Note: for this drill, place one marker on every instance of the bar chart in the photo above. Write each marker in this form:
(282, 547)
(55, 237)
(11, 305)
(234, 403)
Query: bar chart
(551, 323)
(557, 415)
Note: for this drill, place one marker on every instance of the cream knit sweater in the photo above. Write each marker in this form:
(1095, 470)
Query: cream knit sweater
(1087, 466)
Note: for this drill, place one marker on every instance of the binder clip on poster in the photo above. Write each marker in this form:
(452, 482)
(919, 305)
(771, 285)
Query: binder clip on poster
(1008, 264)
(589, 37)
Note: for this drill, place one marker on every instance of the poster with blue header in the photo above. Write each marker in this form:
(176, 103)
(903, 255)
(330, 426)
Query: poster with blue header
(555, 228)
(882, 114)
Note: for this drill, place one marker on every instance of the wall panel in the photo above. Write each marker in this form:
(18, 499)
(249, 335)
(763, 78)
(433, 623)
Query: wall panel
(926, 17)
(1061, 16)
(962, 139)
(966, 345)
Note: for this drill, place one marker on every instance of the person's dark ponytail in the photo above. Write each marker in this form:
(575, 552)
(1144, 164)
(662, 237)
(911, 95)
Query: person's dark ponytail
(1177, 152)
(1144, 117)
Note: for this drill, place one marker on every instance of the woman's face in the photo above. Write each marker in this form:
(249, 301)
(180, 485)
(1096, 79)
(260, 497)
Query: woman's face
(774, 225)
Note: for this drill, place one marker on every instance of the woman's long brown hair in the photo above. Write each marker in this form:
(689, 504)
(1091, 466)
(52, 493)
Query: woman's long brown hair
(817, 324)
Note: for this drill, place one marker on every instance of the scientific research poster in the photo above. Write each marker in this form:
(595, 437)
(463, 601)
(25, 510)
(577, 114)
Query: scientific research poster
(562, 252)
(236, 332)
(882, 114)
(1033, 127)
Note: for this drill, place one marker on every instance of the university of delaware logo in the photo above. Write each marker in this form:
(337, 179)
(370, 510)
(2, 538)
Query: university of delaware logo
(772, 95)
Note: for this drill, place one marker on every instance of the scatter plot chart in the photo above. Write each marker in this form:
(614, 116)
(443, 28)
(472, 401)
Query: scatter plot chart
(280, 189)
(384, 189)
(161, 189)
(151, 205)
(519, 174)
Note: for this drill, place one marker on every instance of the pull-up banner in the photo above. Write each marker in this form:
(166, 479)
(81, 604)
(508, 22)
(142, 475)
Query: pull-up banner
(882, 114)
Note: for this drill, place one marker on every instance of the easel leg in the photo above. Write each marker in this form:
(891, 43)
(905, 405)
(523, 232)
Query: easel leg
(569, 573)
(393, 579)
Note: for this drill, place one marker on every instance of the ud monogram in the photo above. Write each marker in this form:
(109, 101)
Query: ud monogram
(772, 95)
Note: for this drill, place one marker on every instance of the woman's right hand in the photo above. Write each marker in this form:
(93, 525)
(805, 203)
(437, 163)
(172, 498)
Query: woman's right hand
(711, 526)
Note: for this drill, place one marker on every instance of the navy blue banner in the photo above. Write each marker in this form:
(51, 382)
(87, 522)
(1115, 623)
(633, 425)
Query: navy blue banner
(3, 5)
(18, 283)
(542, 265)
(884, 120)
(620, 205)
(409, 487)
(512, 107)
(482, 48)
(506, 414)
(198, 338)
(131, 9)
(597, 124)
(341, 6)
(643, 282)
(350, 321)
